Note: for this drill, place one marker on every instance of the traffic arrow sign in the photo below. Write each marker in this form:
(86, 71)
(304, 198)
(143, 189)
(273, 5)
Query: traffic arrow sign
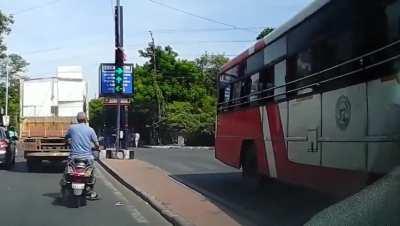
(118, 88)
(119, 70)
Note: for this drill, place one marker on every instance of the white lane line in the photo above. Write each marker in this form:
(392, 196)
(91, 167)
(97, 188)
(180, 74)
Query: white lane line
(133, 211)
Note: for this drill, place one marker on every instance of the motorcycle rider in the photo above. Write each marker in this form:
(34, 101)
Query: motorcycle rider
(81, 137)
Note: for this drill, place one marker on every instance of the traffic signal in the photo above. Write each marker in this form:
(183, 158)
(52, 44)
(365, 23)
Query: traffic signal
(119, 71)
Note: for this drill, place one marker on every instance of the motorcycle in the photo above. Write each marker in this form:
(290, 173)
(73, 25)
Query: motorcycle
(77, 183)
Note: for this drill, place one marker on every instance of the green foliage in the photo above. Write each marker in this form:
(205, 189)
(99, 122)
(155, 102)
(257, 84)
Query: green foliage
(16, 66)
(265, 32)
(5, 22)
(210, 66)
(96, 116)
(186, 91)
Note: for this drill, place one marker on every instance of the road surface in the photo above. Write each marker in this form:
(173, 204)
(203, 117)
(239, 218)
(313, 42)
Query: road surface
(32, 198)
(250, 204)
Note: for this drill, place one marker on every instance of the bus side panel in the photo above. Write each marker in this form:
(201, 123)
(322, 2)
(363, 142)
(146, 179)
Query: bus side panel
(336, 181)
(384, 121)
(227, 150)
(233, 128)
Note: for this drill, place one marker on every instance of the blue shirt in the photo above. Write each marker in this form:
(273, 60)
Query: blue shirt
(82, 138)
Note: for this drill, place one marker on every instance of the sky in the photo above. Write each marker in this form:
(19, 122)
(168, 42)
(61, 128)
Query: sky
(51, 33)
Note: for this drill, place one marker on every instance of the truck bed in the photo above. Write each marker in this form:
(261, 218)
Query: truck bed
(43, 137)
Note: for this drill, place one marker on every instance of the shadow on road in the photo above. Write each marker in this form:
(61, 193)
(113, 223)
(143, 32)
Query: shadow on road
(45, 167)
(252, 203)
(57, 201)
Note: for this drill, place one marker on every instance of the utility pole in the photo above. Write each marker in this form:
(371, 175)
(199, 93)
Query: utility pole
(157, 88)
(7, 81)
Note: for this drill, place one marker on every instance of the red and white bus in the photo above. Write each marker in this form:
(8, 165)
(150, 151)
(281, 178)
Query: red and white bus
(317, 102)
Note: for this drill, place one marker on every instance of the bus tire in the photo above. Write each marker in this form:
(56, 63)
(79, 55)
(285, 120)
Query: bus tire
(249, 160)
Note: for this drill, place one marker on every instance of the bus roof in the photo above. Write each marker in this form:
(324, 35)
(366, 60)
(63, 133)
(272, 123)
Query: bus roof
(277, 33)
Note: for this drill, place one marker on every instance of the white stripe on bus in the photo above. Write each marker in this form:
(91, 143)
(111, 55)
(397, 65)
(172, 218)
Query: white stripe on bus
(267, 143)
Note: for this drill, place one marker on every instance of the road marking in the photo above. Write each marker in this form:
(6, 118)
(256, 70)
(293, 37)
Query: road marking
(133, 211)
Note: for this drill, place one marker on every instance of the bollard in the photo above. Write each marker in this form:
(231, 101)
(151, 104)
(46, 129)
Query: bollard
(108, 153)
(103, 154)
(126, 154)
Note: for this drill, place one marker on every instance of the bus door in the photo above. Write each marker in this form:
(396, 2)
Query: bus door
(304, 127)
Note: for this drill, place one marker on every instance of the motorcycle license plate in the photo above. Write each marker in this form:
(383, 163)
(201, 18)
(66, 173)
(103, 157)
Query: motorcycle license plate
(78, 186)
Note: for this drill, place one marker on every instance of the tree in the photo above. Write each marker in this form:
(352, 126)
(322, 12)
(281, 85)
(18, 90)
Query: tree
(16, 66)
(187, 90)
(96, 116)
(265, 32)
(5, 23)
(210, 66)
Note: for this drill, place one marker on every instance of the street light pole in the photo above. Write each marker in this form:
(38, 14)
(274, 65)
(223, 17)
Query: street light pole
(7, 78)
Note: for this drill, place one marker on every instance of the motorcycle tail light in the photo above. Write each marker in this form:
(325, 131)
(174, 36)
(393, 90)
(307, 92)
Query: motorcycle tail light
(78, 179)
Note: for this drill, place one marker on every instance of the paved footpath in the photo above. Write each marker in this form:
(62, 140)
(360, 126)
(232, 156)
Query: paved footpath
(180, 204)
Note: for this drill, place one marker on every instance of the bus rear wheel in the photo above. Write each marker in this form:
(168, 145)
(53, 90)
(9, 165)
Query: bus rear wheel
(249, 163)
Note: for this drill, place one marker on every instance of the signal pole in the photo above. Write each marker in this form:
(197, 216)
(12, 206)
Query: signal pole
(119, 68)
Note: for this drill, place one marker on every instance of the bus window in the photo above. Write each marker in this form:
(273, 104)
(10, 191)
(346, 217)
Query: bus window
(255, 62)
(255, 87)
(280, 80)
(242, 69)
(393, 18)
(237, 86)
(224, 85)
(266, 83)
(233, 72)
(223, 89)
(245, 90)
(227, 93)
(275, 51)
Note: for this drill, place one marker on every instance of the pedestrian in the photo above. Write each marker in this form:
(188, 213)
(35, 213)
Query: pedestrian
(137, 137)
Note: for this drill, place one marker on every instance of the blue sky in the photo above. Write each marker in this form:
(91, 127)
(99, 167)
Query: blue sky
(81, 32)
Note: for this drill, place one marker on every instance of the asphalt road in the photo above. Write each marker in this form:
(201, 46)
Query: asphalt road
(271, 203)
(32, 198)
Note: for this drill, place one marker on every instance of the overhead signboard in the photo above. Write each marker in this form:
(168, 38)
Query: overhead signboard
(107, 80)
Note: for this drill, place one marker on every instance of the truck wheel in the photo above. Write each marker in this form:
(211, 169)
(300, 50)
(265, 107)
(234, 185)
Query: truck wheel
(33, 164)
(9, 161)
(8, 164)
